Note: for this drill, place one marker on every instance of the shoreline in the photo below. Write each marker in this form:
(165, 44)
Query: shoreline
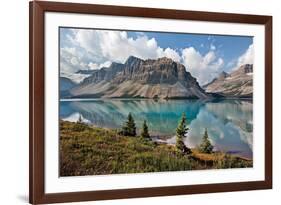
(88, 150)
(164, 140)
(161, 141)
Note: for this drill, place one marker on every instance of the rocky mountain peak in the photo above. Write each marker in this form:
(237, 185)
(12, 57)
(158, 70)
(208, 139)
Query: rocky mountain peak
(160, 77)
(165, 60)
(156, 71)
(248, 68)
(113, 65)
(239, 83)
(223, 75)
(243, 69)
(132, 60)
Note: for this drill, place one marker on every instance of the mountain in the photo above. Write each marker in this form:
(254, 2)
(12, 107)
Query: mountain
(221, 76)
(160, 78)
(75, 77)
(65, 85)
(238, 83)
(85, 72)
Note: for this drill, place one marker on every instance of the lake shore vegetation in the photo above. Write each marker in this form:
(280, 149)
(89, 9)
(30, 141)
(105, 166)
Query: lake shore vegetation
(89, 150)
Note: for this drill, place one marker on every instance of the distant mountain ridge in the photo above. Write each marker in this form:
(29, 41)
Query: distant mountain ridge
(160, 78)
(65, 85)
(221, 76)
(85, 72)
(155, 78)
(238, 83)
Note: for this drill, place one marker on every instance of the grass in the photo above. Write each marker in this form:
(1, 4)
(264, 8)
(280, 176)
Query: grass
(87, 150)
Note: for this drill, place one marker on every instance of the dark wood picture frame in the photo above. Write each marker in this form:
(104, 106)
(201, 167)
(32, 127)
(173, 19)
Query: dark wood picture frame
(37, 193)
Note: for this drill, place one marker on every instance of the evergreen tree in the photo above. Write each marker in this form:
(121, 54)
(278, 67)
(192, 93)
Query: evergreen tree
(144, 131)
(129, 128)
(181, 131)
(80, 119)
(206, 146)
(79, 125)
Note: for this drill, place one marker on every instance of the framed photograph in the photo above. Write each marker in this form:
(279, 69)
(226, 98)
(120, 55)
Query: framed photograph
(139, 102)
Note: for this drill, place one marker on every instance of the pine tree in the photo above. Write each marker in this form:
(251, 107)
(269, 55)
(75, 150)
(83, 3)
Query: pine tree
(129, 128)
(206, 146)
(181, 131)
(80, 119)
(79, 125)
(144, 131)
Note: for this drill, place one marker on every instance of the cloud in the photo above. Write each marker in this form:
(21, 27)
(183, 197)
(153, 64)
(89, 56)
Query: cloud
(212, 47)
(95, 66)
(245, 58)
(209, 58)
(170, 53)
(71, 60)
(94, 49)
(105, 64)
(116, 45)
(203, 67)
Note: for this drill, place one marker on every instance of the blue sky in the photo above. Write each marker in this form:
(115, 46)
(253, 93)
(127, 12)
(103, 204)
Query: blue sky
(228, 47)
(204, 56)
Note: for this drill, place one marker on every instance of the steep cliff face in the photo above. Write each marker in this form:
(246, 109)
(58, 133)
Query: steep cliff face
(160, 78)
(65, 85)
(239, 83)
(104, 74)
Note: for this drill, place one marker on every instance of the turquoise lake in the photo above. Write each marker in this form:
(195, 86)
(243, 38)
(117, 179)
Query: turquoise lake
(229, 122)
